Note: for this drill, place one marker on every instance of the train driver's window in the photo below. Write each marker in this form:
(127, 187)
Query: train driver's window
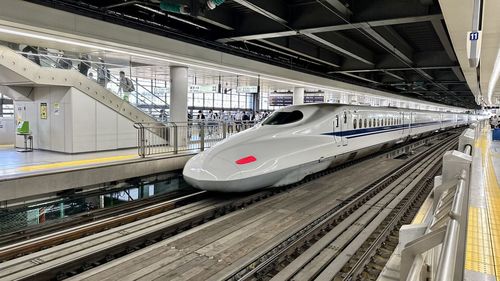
(354, 123)
(336, 121)
(360, 123)
(283, 117)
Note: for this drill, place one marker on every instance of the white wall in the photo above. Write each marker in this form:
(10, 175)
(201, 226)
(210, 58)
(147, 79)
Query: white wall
(79, 124)
(7, 130)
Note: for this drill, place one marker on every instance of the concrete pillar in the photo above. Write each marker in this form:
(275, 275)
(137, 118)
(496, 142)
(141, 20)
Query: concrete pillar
(298, 95)
(179, 101)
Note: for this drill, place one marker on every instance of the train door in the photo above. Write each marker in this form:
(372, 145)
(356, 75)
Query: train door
(337, 132)
(402, 122)
(343, 128)
(410, 122)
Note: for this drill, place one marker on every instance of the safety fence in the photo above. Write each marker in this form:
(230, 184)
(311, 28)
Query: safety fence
(439, 243)
(173, 137)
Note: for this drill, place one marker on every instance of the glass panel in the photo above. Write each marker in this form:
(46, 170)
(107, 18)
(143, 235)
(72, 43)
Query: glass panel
(281, 118)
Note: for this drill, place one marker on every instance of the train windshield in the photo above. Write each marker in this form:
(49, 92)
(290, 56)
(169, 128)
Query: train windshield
(281, 118)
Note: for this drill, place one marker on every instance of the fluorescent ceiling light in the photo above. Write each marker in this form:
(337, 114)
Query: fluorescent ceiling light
(494, 78)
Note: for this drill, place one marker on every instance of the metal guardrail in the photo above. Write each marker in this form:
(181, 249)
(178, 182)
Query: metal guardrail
(173, 137)
(443, 238)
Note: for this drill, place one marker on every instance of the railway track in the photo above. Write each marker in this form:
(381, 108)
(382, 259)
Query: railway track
(30, 232)
(339, 244)
(71, 258)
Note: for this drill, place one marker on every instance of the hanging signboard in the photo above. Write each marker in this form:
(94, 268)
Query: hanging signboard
(194, 88)
(247, 89)
(203, 88)
(280, 100)
(314, 99)
(43, 110)
(209, 88)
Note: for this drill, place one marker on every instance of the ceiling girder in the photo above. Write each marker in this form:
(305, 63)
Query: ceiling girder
(290, 49)
(331, 28)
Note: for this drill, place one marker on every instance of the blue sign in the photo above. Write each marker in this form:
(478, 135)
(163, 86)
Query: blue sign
(474, 36)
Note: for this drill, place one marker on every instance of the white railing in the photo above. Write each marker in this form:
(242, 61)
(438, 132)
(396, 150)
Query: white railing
(173, 137)
(441, 245)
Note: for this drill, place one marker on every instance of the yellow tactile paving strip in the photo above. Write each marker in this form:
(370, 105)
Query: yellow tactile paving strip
(67, 164)
(483, 232)
(422, 212)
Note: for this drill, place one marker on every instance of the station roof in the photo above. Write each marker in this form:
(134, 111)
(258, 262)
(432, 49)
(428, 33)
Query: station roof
(401, 47)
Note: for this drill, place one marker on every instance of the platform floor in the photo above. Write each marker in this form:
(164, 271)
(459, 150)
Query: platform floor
(13, 162)
(483, 237)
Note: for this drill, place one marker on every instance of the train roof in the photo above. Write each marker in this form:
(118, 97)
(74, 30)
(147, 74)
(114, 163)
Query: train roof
(332, 106)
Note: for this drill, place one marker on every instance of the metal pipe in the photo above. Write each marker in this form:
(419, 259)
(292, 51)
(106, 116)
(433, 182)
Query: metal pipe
(448, 259)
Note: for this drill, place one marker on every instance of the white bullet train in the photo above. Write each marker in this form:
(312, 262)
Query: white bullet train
(299, 140)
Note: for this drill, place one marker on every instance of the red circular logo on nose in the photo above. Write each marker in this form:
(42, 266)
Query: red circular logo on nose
(246, 160)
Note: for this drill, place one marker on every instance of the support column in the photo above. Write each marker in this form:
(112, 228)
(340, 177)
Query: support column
(179, 101)
(298, 95)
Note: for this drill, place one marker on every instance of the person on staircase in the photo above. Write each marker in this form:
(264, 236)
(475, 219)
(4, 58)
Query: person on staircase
(126, 86)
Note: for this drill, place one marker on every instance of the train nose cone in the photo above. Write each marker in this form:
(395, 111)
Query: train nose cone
(209, 175)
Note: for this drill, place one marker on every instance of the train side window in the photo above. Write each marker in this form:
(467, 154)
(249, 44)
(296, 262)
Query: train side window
(336, 121)
(360, 123)
(354, 123)
(365, 125)
(374, 123)
(345, 118)
(378, 122)
(370, 123)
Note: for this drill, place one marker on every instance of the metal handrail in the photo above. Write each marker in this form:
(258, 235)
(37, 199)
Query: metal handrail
(447, 261)
(194, 135)
(452, 225)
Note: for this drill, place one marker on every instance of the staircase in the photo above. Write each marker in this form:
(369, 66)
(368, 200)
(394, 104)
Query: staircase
(20, 74)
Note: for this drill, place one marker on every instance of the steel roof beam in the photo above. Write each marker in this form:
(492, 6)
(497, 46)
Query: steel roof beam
(292, 50)
(331, 28)
(394, 69)
(361, 78)
(339, 6)
(394, 75)
(387, 45)
(443, 37)
(458, 72)
(264, 8)
(343, 46)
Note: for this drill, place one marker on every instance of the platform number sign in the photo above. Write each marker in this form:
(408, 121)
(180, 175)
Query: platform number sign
(474, 36)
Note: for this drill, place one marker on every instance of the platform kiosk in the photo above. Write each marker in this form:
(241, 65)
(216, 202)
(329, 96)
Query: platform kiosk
(23, 129)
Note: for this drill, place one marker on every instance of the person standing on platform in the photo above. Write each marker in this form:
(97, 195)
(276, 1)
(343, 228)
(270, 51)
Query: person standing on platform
(126, 86)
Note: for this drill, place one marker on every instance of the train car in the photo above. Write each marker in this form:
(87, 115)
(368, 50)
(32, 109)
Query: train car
(299, 140)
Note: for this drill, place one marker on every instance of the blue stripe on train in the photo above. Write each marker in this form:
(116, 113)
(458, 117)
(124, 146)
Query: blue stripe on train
(372, 131)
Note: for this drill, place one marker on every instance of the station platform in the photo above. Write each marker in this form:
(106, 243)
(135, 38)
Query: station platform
(483, 231)
(16, 163)
(25, 176)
